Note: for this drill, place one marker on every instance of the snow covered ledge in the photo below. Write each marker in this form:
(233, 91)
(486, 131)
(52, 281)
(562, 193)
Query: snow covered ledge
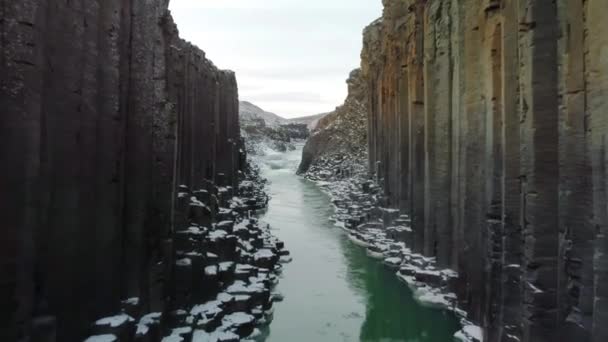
(469, 333)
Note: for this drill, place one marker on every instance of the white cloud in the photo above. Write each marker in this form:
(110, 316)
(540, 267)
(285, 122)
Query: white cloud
(278, 4)
(291, 57)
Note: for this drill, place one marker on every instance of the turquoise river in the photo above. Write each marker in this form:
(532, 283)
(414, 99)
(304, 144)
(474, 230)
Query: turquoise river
(333, 291)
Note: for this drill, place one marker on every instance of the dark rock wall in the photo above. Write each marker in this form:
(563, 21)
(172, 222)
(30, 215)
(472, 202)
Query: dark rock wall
(105, 111)
(488, 125)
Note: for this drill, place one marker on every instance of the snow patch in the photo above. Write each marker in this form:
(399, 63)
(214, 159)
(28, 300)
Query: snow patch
(263, 254)
(102, 338)
(131, 301)
(237, 318)
(218, 234)
(184, 262)
(216, 336)
(469, 333)
(211, 270)
(115, 321)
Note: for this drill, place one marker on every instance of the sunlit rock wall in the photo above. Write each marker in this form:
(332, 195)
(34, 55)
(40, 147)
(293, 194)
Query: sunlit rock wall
(105, 112)
(488, 123)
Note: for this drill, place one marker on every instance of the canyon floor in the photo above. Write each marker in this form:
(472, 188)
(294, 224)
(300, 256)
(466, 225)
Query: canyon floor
(334, 291)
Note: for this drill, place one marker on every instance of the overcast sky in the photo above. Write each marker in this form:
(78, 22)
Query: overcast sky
(291, 57)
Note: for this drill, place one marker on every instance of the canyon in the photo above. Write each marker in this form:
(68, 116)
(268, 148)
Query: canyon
(469, 158)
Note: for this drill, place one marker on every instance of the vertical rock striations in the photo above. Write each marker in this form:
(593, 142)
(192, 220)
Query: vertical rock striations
(488, 126)
(105, 112)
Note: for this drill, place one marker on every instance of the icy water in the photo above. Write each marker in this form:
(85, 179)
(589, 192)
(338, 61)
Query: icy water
(333, 290)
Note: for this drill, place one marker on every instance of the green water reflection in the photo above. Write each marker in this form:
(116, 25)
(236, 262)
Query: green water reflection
(391, 313)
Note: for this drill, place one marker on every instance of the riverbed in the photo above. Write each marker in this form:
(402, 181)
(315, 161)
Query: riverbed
(332, 290)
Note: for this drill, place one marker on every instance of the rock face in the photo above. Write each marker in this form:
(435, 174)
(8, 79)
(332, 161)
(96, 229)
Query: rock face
(488, 124)
(340, 136)
(106, 112)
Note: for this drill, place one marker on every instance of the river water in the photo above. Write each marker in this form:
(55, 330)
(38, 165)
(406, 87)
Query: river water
(333, 290)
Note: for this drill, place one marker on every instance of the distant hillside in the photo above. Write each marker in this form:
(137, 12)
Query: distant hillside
(310, 121)
(265, 131)
(249, 113)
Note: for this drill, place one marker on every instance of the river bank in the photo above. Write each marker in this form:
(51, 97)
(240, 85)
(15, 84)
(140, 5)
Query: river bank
(387, 236)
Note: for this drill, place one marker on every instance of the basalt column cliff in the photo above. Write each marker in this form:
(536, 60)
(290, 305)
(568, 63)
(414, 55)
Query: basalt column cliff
(488, 124)
(106, 113)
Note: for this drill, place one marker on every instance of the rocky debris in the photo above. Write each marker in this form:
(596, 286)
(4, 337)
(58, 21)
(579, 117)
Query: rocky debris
(487, 126)
(229, 267)
(341, 134)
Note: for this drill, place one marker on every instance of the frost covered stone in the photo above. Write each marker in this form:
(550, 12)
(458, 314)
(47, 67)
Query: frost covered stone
(102, 338)
(177, 334)
(237, 318)
(469, 333)
(131, 301)
(216, 336)
(211, 270)
(217, 234)
(115, 321)
(263, 253)
(184, 262)
(207, 309)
